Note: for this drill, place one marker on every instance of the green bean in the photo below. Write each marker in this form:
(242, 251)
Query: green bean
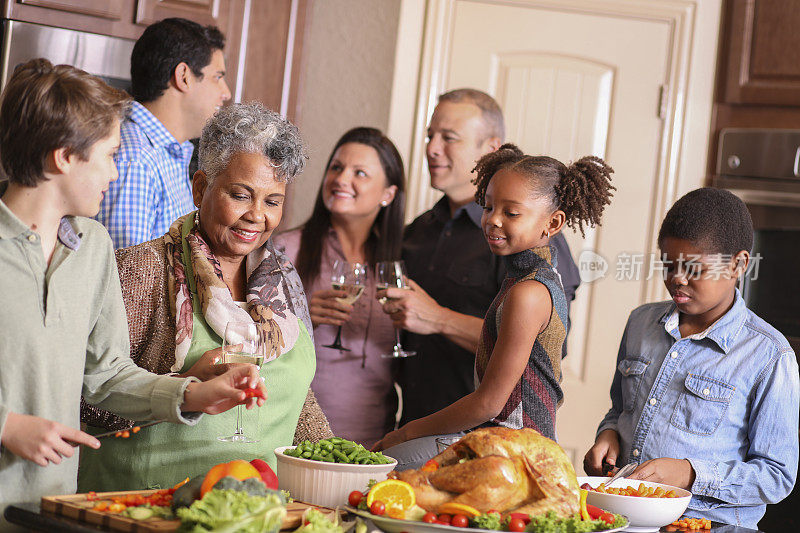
(337, 450)
(340, 456)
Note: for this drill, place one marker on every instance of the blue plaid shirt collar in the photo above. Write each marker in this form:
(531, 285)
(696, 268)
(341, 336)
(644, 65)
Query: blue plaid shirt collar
(156, 132)
(723, 332)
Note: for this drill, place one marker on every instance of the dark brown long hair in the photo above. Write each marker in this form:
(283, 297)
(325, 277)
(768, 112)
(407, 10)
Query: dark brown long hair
(385, 238)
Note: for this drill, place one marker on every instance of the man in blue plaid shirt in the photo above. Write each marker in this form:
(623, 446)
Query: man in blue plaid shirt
(178, 82)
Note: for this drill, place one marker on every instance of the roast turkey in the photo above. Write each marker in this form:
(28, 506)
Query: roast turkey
(507, 470)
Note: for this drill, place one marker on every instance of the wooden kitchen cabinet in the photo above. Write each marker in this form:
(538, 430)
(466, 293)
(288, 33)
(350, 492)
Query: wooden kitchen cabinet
(265, 67)
(758, 70)
(109, 9)
(760, 62)
(202, 11)
(125, 18)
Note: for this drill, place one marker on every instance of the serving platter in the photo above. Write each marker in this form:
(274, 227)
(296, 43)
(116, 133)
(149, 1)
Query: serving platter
(79, 507)
(395, 525)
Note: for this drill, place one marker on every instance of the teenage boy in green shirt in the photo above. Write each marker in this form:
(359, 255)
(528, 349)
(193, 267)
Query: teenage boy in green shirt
(63, 326)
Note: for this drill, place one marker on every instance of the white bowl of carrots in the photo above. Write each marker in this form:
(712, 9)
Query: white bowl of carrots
(647, 505)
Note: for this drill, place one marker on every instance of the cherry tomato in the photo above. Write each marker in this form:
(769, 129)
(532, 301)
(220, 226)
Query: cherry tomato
(430, 518)
(445, 518)
(377, 507)
(459, 520)
(430, 466)
(355, 498)
(607, 517)
(254, 393)
(516, 525)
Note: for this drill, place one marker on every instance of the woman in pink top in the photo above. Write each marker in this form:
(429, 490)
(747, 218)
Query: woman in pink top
(358, 217)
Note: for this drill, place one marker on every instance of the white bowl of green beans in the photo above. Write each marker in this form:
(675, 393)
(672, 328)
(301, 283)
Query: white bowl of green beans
(325, 473)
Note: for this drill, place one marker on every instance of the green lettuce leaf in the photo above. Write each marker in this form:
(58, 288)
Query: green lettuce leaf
(231, 511)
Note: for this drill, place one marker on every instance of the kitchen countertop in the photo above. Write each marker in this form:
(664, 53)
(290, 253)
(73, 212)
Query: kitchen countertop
(31, 517)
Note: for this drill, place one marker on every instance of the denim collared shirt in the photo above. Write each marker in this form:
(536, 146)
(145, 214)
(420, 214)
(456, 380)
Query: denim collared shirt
(725, 399)
(153, 188)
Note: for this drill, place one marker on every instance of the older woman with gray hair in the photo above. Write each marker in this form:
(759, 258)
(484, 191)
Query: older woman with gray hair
(213, 266)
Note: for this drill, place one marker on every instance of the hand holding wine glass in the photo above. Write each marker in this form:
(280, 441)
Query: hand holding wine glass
(244, 342)
(350, 278)
(392, 274)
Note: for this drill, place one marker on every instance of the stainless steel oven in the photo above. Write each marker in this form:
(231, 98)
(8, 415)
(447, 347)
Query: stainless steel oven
(106, 57)
(762, 167)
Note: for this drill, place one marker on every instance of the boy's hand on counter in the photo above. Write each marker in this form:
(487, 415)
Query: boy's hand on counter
(605, 449)
(675, 472)
(40, 440)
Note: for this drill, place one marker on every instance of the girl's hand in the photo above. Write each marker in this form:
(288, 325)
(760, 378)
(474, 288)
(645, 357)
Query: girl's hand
(225, 391)
(206, 367)
(605, 449)
(390, 439)
(675, 472)
(42, 441)
(324, 308)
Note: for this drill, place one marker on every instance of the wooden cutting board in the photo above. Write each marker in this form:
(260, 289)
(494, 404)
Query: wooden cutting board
(78, 507)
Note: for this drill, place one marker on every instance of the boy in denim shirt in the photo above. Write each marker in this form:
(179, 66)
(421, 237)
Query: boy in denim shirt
(705, 396)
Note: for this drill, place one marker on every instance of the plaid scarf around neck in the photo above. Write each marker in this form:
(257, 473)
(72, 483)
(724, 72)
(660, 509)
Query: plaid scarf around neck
(265, 293)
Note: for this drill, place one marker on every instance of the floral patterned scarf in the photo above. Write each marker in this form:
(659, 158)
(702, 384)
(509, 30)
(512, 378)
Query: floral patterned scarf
(266, 297)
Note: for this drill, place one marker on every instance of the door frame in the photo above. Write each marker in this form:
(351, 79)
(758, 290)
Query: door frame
(433, 64)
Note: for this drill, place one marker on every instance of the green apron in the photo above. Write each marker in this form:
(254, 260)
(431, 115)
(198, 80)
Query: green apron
(162, 455)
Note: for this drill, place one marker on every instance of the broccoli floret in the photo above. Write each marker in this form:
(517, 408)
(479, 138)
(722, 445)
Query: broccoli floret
(228, 483)
(254, 487)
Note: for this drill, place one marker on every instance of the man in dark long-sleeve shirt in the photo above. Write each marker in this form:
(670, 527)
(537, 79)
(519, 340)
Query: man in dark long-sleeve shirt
(453, 272)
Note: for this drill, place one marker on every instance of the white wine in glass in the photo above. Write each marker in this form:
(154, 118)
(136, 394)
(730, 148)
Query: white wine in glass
(350, 278)
(392, 275)
(244, 342)
(353, 292)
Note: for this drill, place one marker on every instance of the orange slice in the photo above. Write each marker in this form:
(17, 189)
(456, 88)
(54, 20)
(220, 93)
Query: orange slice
(459, 508)
(393, 493)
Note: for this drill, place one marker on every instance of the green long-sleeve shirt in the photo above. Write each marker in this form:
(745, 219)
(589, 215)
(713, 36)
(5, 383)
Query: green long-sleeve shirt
(63, 332)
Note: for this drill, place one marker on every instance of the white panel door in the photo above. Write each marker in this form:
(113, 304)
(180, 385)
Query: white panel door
(573, 83)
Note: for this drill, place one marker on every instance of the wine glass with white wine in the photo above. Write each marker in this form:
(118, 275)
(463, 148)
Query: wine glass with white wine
(352, 279)
(244, 342)
(392, 275)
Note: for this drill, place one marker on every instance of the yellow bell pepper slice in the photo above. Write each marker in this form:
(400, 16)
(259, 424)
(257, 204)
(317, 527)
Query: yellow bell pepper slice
(584, 513)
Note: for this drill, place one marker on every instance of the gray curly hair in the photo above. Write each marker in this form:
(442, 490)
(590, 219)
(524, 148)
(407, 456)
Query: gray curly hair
(251, 128)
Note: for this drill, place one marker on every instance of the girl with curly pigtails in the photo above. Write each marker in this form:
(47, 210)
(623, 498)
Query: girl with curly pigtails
(526, 201)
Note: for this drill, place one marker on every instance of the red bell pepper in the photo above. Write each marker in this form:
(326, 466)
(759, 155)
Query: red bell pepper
(267, 474)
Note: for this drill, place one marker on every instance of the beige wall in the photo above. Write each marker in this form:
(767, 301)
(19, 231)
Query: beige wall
(348, 71)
